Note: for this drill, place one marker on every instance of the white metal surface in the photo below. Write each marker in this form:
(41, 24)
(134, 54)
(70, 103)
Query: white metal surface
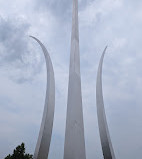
(44, 139)
(74, 147)
(107, 148)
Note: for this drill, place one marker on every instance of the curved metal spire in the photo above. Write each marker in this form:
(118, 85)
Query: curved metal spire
(107, 148)
(44, 139)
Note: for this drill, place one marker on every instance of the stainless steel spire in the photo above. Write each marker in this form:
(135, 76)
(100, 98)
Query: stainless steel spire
(107, 148)
(44, 139)
(74, 147)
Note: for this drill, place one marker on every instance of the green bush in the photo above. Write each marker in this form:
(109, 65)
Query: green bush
(19, 153)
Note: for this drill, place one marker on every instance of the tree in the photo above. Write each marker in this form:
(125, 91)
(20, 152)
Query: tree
(19, 153)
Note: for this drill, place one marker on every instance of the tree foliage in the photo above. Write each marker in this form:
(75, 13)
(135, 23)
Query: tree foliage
(19, 153)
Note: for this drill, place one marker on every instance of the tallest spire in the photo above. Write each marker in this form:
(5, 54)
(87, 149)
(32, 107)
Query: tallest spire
(74, 136)
(74, 57)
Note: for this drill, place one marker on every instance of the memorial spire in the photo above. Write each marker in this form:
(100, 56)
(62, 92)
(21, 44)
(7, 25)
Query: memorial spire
(74, 147)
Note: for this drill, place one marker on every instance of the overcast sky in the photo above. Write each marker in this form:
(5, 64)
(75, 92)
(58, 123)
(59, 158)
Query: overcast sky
(116, 23)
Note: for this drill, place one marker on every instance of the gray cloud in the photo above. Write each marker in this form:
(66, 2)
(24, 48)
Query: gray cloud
(12, 40)
(16, 52)
(60, 8)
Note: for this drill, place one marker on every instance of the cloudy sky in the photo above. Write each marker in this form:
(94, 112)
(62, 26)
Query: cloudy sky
(116, 23)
